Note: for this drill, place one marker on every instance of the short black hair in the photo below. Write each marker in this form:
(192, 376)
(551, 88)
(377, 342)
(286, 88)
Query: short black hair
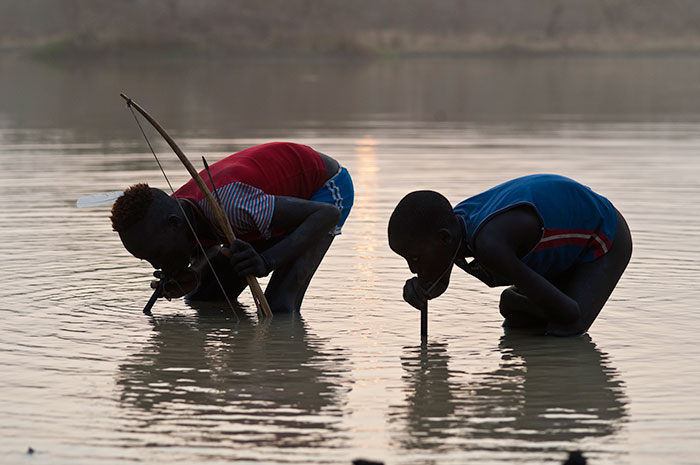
(131, 207)
(420, 214)
(138, 203)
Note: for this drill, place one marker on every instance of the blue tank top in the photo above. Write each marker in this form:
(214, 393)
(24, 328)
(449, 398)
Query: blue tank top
(578, 225)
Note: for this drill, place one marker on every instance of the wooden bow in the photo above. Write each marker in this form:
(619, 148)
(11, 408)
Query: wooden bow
(258, 296)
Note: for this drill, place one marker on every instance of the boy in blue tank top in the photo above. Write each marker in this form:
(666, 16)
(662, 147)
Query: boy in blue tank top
(559, 246)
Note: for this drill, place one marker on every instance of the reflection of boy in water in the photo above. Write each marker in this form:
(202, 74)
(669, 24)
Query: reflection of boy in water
(285, 202)
(282, 386)
(518, 402)
(560, 245)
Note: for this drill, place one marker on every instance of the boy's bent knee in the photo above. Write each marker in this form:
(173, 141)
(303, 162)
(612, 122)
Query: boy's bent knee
(512, 307)
(511, 301)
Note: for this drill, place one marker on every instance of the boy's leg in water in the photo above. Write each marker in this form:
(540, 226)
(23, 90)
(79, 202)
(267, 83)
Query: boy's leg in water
(590, 284)
(287, 286)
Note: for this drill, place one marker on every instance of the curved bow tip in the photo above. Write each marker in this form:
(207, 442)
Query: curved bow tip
(127, 98)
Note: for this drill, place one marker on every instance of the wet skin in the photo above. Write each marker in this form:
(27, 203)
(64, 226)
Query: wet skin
(565, 308)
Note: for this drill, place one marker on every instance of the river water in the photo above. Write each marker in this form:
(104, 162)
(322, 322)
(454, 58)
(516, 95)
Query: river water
(87, 378)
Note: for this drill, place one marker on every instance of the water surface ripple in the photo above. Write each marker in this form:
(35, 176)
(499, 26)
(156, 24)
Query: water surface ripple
(88, 379)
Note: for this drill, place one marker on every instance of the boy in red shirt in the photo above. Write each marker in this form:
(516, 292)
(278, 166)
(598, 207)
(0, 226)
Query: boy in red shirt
(286, 202)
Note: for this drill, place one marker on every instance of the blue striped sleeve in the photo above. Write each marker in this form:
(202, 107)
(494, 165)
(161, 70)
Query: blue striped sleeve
(248, 208)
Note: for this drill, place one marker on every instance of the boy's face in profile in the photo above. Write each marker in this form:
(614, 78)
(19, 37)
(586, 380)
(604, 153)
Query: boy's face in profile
(164, 245)
(427, 258)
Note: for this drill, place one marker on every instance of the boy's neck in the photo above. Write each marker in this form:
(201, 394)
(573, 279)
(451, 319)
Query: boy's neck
(202, 226)
(466, 249)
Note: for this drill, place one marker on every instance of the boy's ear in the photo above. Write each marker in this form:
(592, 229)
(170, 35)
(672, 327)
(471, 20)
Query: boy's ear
(174, 221)
(444, 236)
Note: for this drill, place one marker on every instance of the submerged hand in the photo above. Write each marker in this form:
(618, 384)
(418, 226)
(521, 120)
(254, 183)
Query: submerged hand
(177, 284)
(414, 294)
(245, 260)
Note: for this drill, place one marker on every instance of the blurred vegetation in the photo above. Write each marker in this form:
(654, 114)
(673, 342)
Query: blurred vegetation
(347, 27)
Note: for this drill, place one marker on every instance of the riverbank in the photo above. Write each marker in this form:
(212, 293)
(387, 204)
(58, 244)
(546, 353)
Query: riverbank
(96, 28)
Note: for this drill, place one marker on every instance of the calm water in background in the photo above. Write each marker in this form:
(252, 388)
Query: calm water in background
(86, 378)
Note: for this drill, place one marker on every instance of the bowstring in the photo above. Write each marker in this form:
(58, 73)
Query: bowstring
(201, 247)
(449, 266)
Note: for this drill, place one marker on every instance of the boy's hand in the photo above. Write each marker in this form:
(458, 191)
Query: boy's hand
(178, 285)
(245, 260)
(414, 294)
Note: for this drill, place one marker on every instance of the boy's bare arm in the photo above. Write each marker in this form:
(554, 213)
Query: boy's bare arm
(308, 221)
(498, 246)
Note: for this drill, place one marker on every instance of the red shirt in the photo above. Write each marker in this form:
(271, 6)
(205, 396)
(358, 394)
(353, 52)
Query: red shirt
(247, 181)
